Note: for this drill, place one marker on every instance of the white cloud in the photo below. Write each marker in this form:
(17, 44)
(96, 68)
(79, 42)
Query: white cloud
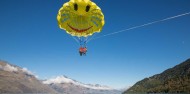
(25, 70)
(9, 68)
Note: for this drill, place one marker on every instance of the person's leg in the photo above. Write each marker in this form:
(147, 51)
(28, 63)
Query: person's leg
(80, 53)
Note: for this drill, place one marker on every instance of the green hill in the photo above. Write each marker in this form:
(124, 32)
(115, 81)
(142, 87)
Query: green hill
(173, 80)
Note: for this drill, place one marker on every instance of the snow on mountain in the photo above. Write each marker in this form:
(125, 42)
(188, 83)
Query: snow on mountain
(65, 85)
(12, 68)
(17, 80)
(64, 79)
(8, 68)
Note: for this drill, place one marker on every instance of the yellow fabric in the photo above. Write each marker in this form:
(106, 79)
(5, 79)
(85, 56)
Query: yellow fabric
(78, 21)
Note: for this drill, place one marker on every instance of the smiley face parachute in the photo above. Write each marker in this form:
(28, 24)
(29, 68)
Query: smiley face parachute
(80, 18)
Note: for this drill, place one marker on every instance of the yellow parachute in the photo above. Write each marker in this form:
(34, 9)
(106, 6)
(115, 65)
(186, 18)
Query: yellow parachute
(80, 18)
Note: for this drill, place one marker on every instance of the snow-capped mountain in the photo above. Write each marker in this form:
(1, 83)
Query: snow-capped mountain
(63, 84)
(66, 80)
(14, 79)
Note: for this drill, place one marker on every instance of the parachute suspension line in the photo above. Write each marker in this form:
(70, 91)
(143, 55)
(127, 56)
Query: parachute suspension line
(139, 26)
(76, 40)
(91, 37)
(86, 39)
(82, 41)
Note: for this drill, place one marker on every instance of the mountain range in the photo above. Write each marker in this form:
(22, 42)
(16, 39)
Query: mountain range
(64, 84)
(14, 79)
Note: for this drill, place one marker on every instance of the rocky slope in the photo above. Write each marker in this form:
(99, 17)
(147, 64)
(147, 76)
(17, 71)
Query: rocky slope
(173, 80)
(14, 79)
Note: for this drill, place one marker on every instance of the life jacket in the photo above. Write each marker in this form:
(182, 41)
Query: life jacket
(84, 49)
(81, 49)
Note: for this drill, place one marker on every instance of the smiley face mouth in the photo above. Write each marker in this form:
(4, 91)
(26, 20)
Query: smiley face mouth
(79, 30)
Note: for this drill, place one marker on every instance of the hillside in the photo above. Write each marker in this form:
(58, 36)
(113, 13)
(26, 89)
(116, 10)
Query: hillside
(173, 80)
(14, 79)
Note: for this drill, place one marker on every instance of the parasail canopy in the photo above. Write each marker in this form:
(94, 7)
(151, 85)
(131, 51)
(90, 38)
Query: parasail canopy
(80, 18)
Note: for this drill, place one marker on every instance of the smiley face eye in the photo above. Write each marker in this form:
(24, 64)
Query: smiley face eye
(75, 7)
(87, 8)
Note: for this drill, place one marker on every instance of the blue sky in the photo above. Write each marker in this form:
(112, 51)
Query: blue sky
(31, 38)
